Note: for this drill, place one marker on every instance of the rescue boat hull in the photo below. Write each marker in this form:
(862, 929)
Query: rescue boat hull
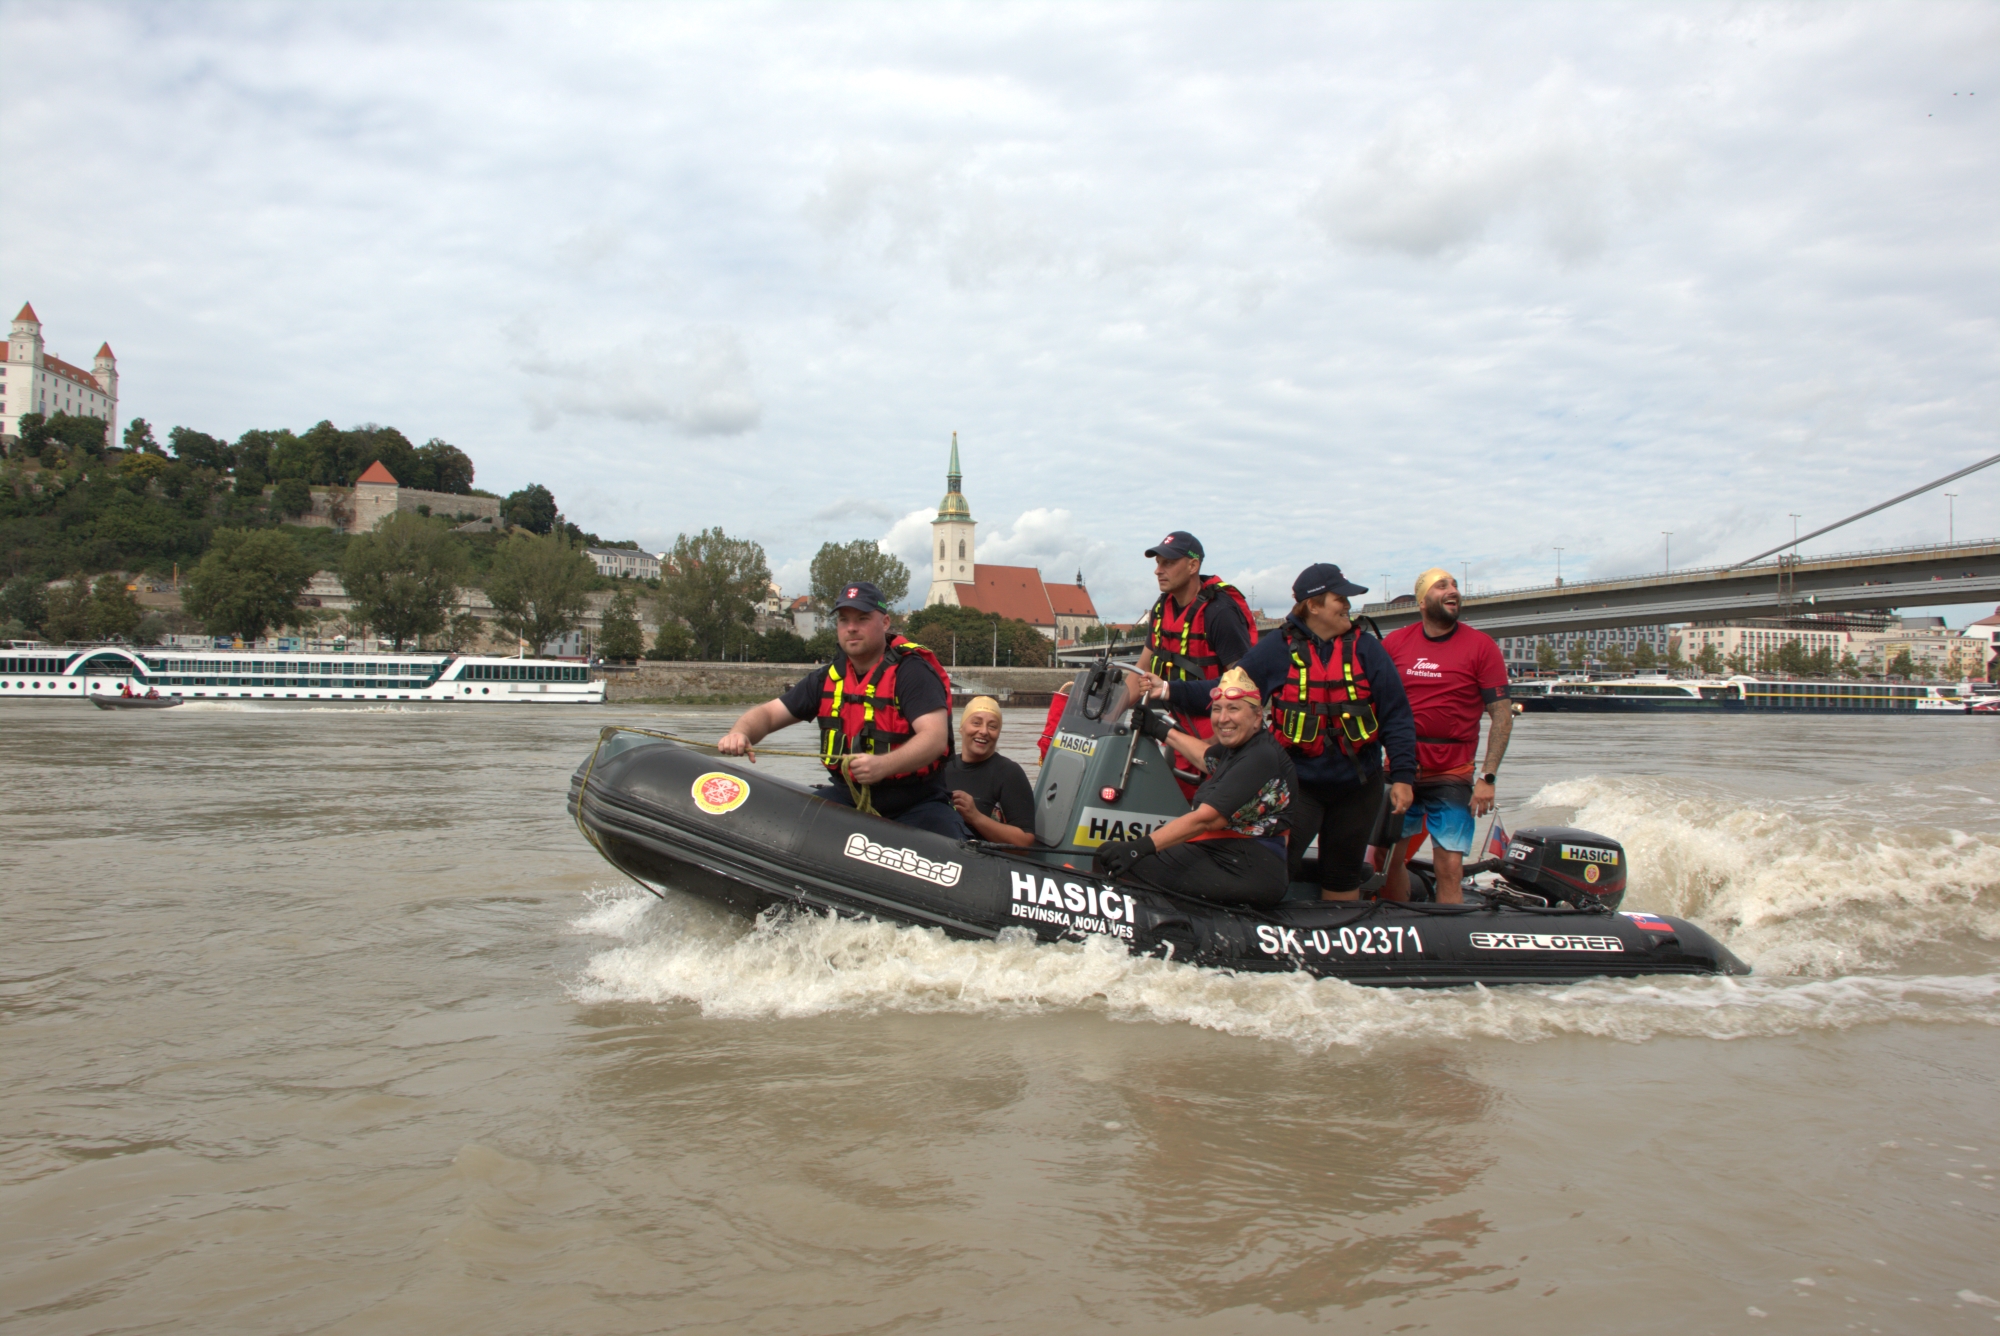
(675, 819)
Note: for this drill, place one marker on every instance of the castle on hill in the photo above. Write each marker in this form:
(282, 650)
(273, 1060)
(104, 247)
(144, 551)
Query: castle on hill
(1062, 612)
(35, 380)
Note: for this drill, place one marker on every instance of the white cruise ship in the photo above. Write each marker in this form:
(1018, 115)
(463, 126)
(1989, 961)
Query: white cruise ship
(43, 672)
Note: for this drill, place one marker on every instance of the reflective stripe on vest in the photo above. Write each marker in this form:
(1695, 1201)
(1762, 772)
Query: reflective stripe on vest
(878, 725)
(1305, 700)
(1189, 660)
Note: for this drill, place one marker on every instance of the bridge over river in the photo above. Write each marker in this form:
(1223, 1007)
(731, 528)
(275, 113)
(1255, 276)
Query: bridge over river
(1845, 582)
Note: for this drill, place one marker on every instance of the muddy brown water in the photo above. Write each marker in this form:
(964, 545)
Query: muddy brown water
(328, 1020)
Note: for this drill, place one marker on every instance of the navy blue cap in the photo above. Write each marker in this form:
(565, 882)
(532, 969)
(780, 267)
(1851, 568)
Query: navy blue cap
(1323, 577)
(1180, 543)
(863, 595)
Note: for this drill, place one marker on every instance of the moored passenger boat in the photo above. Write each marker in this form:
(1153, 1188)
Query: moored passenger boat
(1670, 695)
(42, 672)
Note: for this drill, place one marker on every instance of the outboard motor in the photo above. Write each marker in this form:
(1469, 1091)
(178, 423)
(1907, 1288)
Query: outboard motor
(1568, 866)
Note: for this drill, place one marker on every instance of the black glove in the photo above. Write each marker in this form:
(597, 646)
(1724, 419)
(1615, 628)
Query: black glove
(1155, 724)
(1115, 858)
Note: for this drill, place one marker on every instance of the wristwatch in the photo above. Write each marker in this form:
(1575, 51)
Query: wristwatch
(1488, 777)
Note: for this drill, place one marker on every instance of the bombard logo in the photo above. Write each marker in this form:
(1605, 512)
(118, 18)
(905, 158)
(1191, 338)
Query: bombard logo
(716, 793)
(906, 861)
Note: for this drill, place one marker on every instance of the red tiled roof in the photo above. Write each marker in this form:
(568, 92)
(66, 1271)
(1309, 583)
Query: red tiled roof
(1994, 620)
(104, 350)
(68, 372)
(28, 313)
(1070, 600)
(801, 603)
(1015, 592)
(377, 474)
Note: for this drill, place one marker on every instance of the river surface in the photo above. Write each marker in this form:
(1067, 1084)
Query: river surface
(329, 1020)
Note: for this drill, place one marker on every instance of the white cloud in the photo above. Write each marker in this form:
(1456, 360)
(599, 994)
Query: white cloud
(700, 386)
(1441, 178)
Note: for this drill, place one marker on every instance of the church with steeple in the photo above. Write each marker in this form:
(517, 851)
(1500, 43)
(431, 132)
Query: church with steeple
(1062, 612)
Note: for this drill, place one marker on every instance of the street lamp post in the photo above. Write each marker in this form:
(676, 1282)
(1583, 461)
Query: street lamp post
(1668, 534)
(1559, 568)
(1951, 517)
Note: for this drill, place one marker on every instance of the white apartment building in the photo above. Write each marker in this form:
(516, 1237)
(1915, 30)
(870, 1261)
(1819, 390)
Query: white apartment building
(1520, 651)
(1751, 639)
(624, 562)
(34, 380)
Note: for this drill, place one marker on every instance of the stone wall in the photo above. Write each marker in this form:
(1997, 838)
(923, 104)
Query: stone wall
(746, 682)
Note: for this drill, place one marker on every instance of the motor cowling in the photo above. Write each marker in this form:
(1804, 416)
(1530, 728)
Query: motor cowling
(1566, 865)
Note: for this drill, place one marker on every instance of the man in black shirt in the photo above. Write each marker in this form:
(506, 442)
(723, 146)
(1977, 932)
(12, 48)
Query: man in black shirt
(1231, 847)
(884, 713)
(990, 792)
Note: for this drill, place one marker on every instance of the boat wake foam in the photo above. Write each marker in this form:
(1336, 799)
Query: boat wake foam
(681, 951)
(1819, 886)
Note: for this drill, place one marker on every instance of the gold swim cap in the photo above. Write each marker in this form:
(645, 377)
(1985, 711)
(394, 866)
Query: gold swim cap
(1429, 578)
(1235, 685)
(981, 705)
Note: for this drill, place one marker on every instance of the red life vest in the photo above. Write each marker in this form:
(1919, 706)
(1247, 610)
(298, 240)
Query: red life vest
(1178, 637)
(1323, 698)
(863, 714)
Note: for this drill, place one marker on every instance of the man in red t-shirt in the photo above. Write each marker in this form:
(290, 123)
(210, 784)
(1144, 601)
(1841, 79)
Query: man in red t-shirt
(1452, 675)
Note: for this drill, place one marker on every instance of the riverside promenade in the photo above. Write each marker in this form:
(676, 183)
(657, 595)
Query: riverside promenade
(680, 683)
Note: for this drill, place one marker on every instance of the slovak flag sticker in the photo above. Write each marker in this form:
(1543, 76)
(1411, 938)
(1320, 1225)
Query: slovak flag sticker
(1650, 922)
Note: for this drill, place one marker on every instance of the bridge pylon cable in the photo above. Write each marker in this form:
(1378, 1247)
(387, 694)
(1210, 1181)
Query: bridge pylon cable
(1863, 514)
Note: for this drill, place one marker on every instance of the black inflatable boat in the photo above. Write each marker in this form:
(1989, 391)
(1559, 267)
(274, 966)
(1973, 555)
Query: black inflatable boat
(673, 817)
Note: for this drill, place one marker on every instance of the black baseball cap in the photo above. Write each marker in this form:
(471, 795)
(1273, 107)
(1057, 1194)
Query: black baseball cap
(863, 595)
(1323, 577)
(1180, 543)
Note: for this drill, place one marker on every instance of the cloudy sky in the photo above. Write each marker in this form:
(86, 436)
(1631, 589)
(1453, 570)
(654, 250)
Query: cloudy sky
(1391, 286)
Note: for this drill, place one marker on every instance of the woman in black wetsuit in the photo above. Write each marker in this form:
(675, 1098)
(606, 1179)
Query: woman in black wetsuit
(1231, 848)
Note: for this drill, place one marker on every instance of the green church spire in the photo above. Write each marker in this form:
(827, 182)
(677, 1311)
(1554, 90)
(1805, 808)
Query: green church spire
(954, 506)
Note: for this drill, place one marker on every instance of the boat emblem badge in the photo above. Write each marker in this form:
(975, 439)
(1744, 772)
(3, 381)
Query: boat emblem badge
(1590, 873)
(716, 792)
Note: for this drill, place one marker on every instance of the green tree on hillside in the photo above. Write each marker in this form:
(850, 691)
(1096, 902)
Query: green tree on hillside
(111, 610)
(532, 508)
(67, 614)
(539, 587)
(24, 602)
(249, 581)
(404, 577)
(292, 497)
(200, 449)
(969, 636)
(837, 565)
(711, 583)
(621, 637)
(139, 438)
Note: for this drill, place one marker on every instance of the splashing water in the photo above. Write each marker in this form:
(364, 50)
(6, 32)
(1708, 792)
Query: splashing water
(1818, 886)
(683, 951)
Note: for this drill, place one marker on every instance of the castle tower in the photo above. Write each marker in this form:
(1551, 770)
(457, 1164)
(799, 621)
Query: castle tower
(24, 342)
(105, 369)
(952, 539)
